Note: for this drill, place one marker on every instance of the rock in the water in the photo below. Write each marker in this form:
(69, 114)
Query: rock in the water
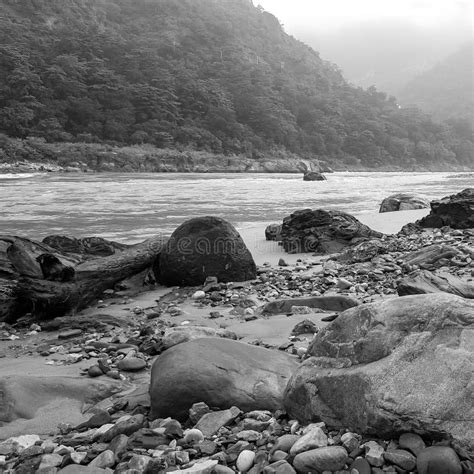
(366, 363)
(219, 372)
(322, 231)
(273, 232)
(456, 211)
(313, 176)
(203, 247)
(403, 202)
(330, 458)
(326, 303)
(424, 281)
(438, 460)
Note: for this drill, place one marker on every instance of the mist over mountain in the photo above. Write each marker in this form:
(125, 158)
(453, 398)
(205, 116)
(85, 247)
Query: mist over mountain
(446, 91)
(214, 75)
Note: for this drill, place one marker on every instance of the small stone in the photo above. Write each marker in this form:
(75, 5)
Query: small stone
(401, 458)
(127, 427)
(204, 467)
(245, 460)
(438, 460)
(211, 422)
(282, 263)
(50, 460)
(193, 436)
(278, 455)
(285, 442)
(315, 438)
(197, 411)
(77, 457)
(94, 371)
(330, 458)
(220, 469)
(374, 453)
(139, 462)
(199, 295)
(279, 467)
(18, 444)
(350, 441)
(68, 334)
(343, 284)
(412, 442)
(249, 435)
(131, 364)
(119, 446)
(208, 448)
(103, 460)
(360, 466)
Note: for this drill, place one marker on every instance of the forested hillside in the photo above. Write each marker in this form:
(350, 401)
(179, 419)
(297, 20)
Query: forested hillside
(447, 90)
(213, 75)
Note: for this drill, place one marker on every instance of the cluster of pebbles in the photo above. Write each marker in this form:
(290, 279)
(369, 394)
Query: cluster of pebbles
(122, 441)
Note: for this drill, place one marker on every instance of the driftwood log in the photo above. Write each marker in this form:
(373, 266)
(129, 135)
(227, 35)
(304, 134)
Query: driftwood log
(41, 280)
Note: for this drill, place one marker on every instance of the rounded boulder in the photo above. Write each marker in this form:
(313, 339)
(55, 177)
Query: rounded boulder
(220, 372)
(204, 247)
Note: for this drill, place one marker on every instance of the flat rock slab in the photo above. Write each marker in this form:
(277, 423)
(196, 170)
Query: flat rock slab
(37, 404)
(326, 303)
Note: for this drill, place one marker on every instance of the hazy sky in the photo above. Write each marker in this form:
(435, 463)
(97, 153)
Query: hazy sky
(381, 42)
(333, 14)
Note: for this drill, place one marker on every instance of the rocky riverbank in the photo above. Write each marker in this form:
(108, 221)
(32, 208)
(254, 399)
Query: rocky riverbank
(314, 365)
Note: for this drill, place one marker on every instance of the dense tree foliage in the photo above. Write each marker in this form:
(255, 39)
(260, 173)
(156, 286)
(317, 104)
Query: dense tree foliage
(214, 75)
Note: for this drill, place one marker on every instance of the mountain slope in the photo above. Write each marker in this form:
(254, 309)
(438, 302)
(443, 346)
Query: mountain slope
(447, 90)
(215, 75)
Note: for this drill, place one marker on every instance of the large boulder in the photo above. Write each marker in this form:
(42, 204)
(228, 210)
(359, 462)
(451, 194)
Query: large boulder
(456, 211)
(204, 247)
(403, 202)
(220, 372)
(398, 365)
(323, 231)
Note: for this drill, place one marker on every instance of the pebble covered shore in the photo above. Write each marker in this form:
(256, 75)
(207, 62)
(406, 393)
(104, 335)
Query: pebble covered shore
(119, 435)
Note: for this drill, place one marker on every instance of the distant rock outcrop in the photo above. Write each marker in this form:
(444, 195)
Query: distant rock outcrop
(403, 202)
(322, 231)
(313, 176)
(400, 365)
(456, 211)
(204, 247)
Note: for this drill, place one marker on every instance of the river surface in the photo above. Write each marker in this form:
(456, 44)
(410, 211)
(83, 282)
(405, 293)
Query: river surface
(131, 207)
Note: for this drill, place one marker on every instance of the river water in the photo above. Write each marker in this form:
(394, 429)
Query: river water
(131, 207)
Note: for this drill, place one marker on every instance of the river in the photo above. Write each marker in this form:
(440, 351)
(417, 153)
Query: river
(131, 207)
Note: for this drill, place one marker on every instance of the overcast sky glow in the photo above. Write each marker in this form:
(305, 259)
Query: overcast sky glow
(382, 42)
(333, 14)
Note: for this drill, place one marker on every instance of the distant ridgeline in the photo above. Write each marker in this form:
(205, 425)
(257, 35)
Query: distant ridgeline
(219, 76)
